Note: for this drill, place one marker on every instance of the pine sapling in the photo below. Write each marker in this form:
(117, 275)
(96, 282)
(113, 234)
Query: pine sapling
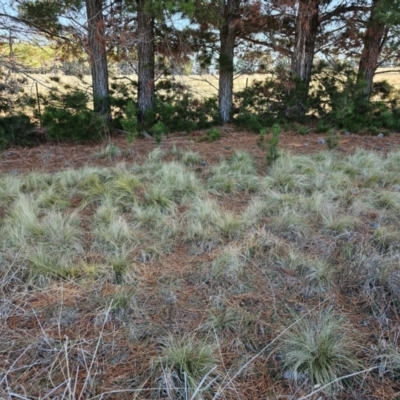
(130, 123)
(273, 151)
(262, 140)
(332, 140)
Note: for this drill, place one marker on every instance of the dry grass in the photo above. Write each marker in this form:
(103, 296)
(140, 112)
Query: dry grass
(164, 280)
(201, 86)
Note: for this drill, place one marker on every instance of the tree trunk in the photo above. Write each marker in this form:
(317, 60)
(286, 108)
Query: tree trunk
(98, 58)
(307, 24)
(145, 33)
(227, 38)
(374, 39)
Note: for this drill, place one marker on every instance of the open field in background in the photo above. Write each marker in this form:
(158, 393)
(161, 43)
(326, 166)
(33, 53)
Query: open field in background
(193, 271)
(392, 75)
(201, 86)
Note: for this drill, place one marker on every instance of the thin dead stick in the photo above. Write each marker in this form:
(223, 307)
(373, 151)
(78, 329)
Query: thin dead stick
(67, 366)
(222, 360)
(18, 396)
(12, 366)
(269, 282)
(54, 390)
(198, 388)
(265, 348)
(202, 381)
(100, 396)
(95, 351)
(336, 380)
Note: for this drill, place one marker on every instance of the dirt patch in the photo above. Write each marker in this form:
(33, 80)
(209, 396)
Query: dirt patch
(54, 157)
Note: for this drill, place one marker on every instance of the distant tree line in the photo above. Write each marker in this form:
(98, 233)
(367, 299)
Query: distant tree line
(157, 35)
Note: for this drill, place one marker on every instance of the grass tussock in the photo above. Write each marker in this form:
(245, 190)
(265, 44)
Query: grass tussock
(163, 280)
(320, 350)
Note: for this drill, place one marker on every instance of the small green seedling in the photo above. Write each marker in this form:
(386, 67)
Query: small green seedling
(130, 123)
(332, 140)
(273, 151)
(213, 134)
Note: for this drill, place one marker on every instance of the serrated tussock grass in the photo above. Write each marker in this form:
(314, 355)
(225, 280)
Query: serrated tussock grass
(183, 365)
(162, 279)
(319, 350)
(236, 174)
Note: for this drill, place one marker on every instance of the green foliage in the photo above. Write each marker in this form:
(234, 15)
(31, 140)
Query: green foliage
(332, 140)
(67, 117)
(158, 131)
(130, 123)
(322, 126)
(180, 111)
(338, 98)
(186, 362)
(273, 151)
(174, 107)
(213, 134)
(250, 121)
(16, 130)
(322, 349)
(302, 130)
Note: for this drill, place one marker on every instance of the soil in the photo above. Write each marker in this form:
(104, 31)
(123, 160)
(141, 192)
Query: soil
(177, 273)
(52, 157)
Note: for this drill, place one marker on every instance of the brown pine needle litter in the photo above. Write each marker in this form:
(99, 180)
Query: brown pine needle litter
(195, 271)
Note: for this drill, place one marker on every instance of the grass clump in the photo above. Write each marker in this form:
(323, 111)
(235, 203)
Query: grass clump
(205, 221)
(172, 184)
(111, 151)
(318, 274)
(191, 158)
(237, 174)
(111, 231)
(321, 349)
(185, 364)
(290, 224)
(228, 266)
(121, 266)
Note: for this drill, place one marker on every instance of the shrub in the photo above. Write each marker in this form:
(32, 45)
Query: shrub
(338, 98)
(69, 118)
(213, 134)
(16, 130)
(130, 123)
(250, 121)
(332, 140)
(159, 130)
(178, 110)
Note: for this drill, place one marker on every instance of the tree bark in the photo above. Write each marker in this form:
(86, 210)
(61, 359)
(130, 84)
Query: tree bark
(374, 40)
(307, 23)
(146, 88)
(227, 47)
(98, 58)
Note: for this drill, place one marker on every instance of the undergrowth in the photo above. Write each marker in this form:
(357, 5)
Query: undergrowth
(165, 280)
